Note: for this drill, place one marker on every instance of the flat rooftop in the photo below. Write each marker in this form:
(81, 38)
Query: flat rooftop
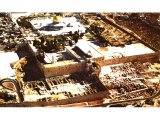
(88, 48)
(111, 52)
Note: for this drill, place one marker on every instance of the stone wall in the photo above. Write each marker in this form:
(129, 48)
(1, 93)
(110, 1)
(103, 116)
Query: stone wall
(152, 57)
(54, 70)
(62, 69)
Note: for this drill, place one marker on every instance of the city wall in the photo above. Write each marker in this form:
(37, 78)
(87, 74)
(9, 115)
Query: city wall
(54, 70)
(151, 57)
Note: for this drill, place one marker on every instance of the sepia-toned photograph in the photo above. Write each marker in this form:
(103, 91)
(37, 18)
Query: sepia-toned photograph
(79, 59)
